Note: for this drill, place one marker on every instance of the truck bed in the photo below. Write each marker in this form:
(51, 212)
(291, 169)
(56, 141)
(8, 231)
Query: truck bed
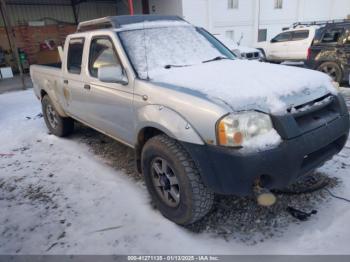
(48, 76)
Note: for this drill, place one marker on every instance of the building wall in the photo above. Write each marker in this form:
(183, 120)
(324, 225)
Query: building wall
(166, 7)
(197, 12)
(298, 11)
(215, 16)
(240, 20)
(21, 14)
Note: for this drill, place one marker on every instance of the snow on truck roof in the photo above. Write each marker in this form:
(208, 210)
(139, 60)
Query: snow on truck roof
(129, 22)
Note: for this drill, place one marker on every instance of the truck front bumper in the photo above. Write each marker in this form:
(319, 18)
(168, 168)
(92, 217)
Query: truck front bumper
(230, 171)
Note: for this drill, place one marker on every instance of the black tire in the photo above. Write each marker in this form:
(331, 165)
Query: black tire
(57, 125)
(195, 199)
(333, 70)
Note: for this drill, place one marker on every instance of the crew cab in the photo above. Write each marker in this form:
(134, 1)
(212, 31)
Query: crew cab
(201, 121)
(289, 45)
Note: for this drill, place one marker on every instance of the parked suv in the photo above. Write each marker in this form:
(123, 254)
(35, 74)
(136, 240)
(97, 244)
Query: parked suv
(290, 45)
(200, 120)
(243, 52)
(330, 51)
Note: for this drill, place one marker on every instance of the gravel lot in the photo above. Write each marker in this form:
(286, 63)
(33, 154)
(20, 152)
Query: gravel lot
(38, 202)
(232, 217)
(255, 223)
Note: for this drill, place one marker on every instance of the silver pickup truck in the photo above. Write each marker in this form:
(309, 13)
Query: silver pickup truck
(201, 120)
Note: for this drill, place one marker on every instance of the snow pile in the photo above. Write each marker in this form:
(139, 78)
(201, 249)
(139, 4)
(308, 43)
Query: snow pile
(262, 142)
(152, 49)
(241, 83)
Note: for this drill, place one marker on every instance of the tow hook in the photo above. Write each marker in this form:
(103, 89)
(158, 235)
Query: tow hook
(264, 196)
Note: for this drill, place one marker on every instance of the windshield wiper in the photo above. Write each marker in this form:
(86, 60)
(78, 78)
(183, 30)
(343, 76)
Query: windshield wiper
(216, 59)
(170, 66)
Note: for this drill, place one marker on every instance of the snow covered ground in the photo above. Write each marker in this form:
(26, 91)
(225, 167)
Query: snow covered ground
(57, 196)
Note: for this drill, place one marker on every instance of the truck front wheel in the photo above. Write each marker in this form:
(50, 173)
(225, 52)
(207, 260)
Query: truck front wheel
(57, 125)
(174, 181)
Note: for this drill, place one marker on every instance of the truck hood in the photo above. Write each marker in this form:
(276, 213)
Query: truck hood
(249, 85)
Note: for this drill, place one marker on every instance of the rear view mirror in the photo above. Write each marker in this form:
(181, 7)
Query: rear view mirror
(112, 74)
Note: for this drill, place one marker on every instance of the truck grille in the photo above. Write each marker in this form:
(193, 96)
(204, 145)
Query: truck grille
(315, 113)
(305, 118)
(253, 55)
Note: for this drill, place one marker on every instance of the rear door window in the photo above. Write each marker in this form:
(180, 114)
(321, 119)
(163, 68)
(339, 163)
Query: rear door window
(300, 35)
(75, 55)
(332, 35)
(283, 37)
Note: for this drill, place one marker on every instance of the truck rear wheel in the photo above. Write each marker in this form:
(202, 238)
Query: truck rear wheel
(174, 181)
(333, 70)
(57, 125)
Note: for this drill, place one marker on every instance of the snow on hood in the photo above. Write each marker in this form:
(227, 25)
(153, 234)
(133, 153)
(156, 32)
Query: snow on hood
(250, 85)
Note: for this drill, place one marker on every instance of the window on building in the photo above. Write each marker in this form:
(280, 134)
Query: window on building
(278, 4)
(332, 35)
(75, 55)
(262, 35)
(230, 34)
(232, 4)
(101, 54)
(300, 35)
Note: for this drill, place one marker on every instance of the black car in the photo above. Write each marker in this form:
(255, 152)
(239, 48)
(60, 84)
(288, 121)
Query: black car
(330, 51)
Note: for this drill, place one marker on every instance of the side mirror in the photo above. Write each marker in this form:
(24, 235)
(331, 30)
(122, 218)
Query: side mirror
(112, 74)
(273, 40)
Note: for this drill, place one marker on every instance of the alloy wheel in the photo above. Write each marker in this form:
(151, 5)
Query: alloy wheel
(52, 116)
(165, 182)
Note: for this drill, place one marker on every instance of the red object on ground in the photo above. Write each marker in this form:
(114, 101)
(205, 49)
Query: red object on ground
(1, 155)
(131, 7)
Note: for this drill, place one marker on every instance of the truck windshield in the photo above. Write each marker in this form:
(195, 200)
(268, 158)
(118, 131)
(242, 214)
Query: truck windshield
(152, 51)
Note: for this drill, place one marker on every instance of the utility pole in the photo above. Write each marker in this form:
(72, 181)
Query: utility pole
(73, 4)
(11, 38)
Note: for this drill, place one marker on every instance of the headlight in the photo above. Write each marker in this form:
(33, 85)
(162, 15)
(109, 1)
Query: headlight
(236, 129)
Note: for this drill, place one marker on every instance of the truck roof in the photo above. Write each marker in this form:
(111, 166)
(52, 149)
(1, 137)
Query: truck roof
(123, 20)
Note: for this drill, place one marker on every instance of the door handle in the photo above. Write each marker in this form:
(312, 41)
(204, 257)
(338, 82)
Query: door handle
(87, 87)
(65, 81)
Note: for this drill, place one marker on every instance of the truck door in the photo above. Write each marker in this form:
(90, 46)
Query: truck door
(299, 45)
(109, 106)
(278, 48)
(72, 78)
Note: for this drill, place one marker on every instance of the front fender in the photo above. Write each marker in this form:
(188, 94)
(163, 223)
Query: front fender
(169, 122)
